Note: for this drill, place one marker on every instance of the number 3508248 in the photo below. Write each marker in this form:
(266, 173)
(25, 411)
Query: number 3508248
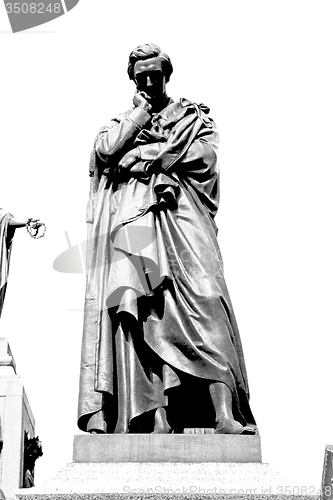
(33, 8)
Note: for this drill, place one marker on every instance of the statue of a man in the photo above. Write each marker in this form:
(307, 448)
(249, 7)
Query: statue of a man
(161, 349)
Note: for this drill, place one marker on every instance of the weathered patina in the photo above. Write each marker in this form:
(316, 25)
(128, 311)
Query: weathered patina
(161, 349)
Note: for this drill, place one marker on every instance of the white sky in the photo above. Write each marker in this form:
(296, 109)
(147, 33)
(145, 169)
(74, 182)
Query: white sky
(265, 70)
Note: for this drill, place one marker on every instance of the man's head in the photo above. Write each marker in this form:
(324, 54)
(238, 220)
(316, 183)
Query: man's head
(150, 69)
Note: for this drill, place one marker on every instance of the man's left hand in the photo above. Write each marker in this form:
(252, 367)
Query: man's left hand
(129, 159)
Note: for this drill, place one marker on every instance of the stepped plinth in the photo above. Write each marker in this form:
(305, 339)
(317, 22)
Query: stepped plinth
(166, 466)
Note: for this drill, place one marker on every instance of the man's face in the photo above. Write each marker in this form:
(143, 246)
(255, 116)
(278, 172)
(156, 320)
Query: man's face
(149, 77)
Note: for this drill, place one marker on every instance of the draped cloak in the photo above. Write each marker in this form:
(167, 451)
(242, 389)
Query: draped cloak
(6, 239)
(158, 325)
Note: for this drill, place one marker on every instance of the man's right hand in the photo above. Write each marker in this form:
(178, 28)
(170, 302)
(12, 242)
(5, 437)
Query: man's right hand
(141, 100)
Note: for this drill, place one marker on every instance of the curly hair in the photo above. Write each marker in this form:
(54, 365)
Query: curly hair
(148, 51)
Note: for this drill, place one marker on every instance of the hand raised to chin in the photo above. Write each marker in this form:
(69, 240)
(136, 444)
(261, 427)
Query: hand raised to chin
(141, 100)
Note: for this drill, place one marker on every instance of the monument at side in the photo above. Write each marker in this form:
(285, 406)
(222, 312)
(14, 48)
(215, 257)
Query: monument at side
(17, 428)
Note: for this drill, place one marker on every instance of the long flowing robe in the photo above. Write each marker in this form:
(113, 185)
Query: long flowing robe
(6, 240)
(159, 325)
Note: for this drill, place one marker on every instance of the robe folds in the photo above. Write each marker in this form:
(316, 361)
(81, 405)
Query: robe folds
(158, 325)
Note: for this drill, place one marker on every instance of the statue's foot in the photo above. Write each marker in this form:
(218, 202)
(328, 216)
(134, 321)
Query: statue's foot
(161, 425)
(233, 427)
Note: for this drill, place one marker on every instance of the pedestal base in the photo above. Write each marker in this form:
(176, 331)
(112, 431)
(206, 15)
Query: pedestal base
(178, 481)
(166, 466)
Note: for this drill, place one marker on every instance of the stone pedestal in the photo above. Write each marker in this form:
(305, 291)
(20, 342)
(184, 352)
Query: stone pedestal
(15, 419)
(172, 466)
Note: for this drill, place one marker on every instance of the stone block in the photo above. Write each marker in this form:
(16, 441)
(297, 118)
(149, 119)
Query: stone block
(166, 448)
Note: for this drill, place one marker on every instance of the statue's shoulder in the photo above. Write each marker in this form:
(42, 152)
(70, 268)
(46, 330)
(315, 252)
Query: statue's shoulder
(198, 106)
(201, 110)
(3, 214)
